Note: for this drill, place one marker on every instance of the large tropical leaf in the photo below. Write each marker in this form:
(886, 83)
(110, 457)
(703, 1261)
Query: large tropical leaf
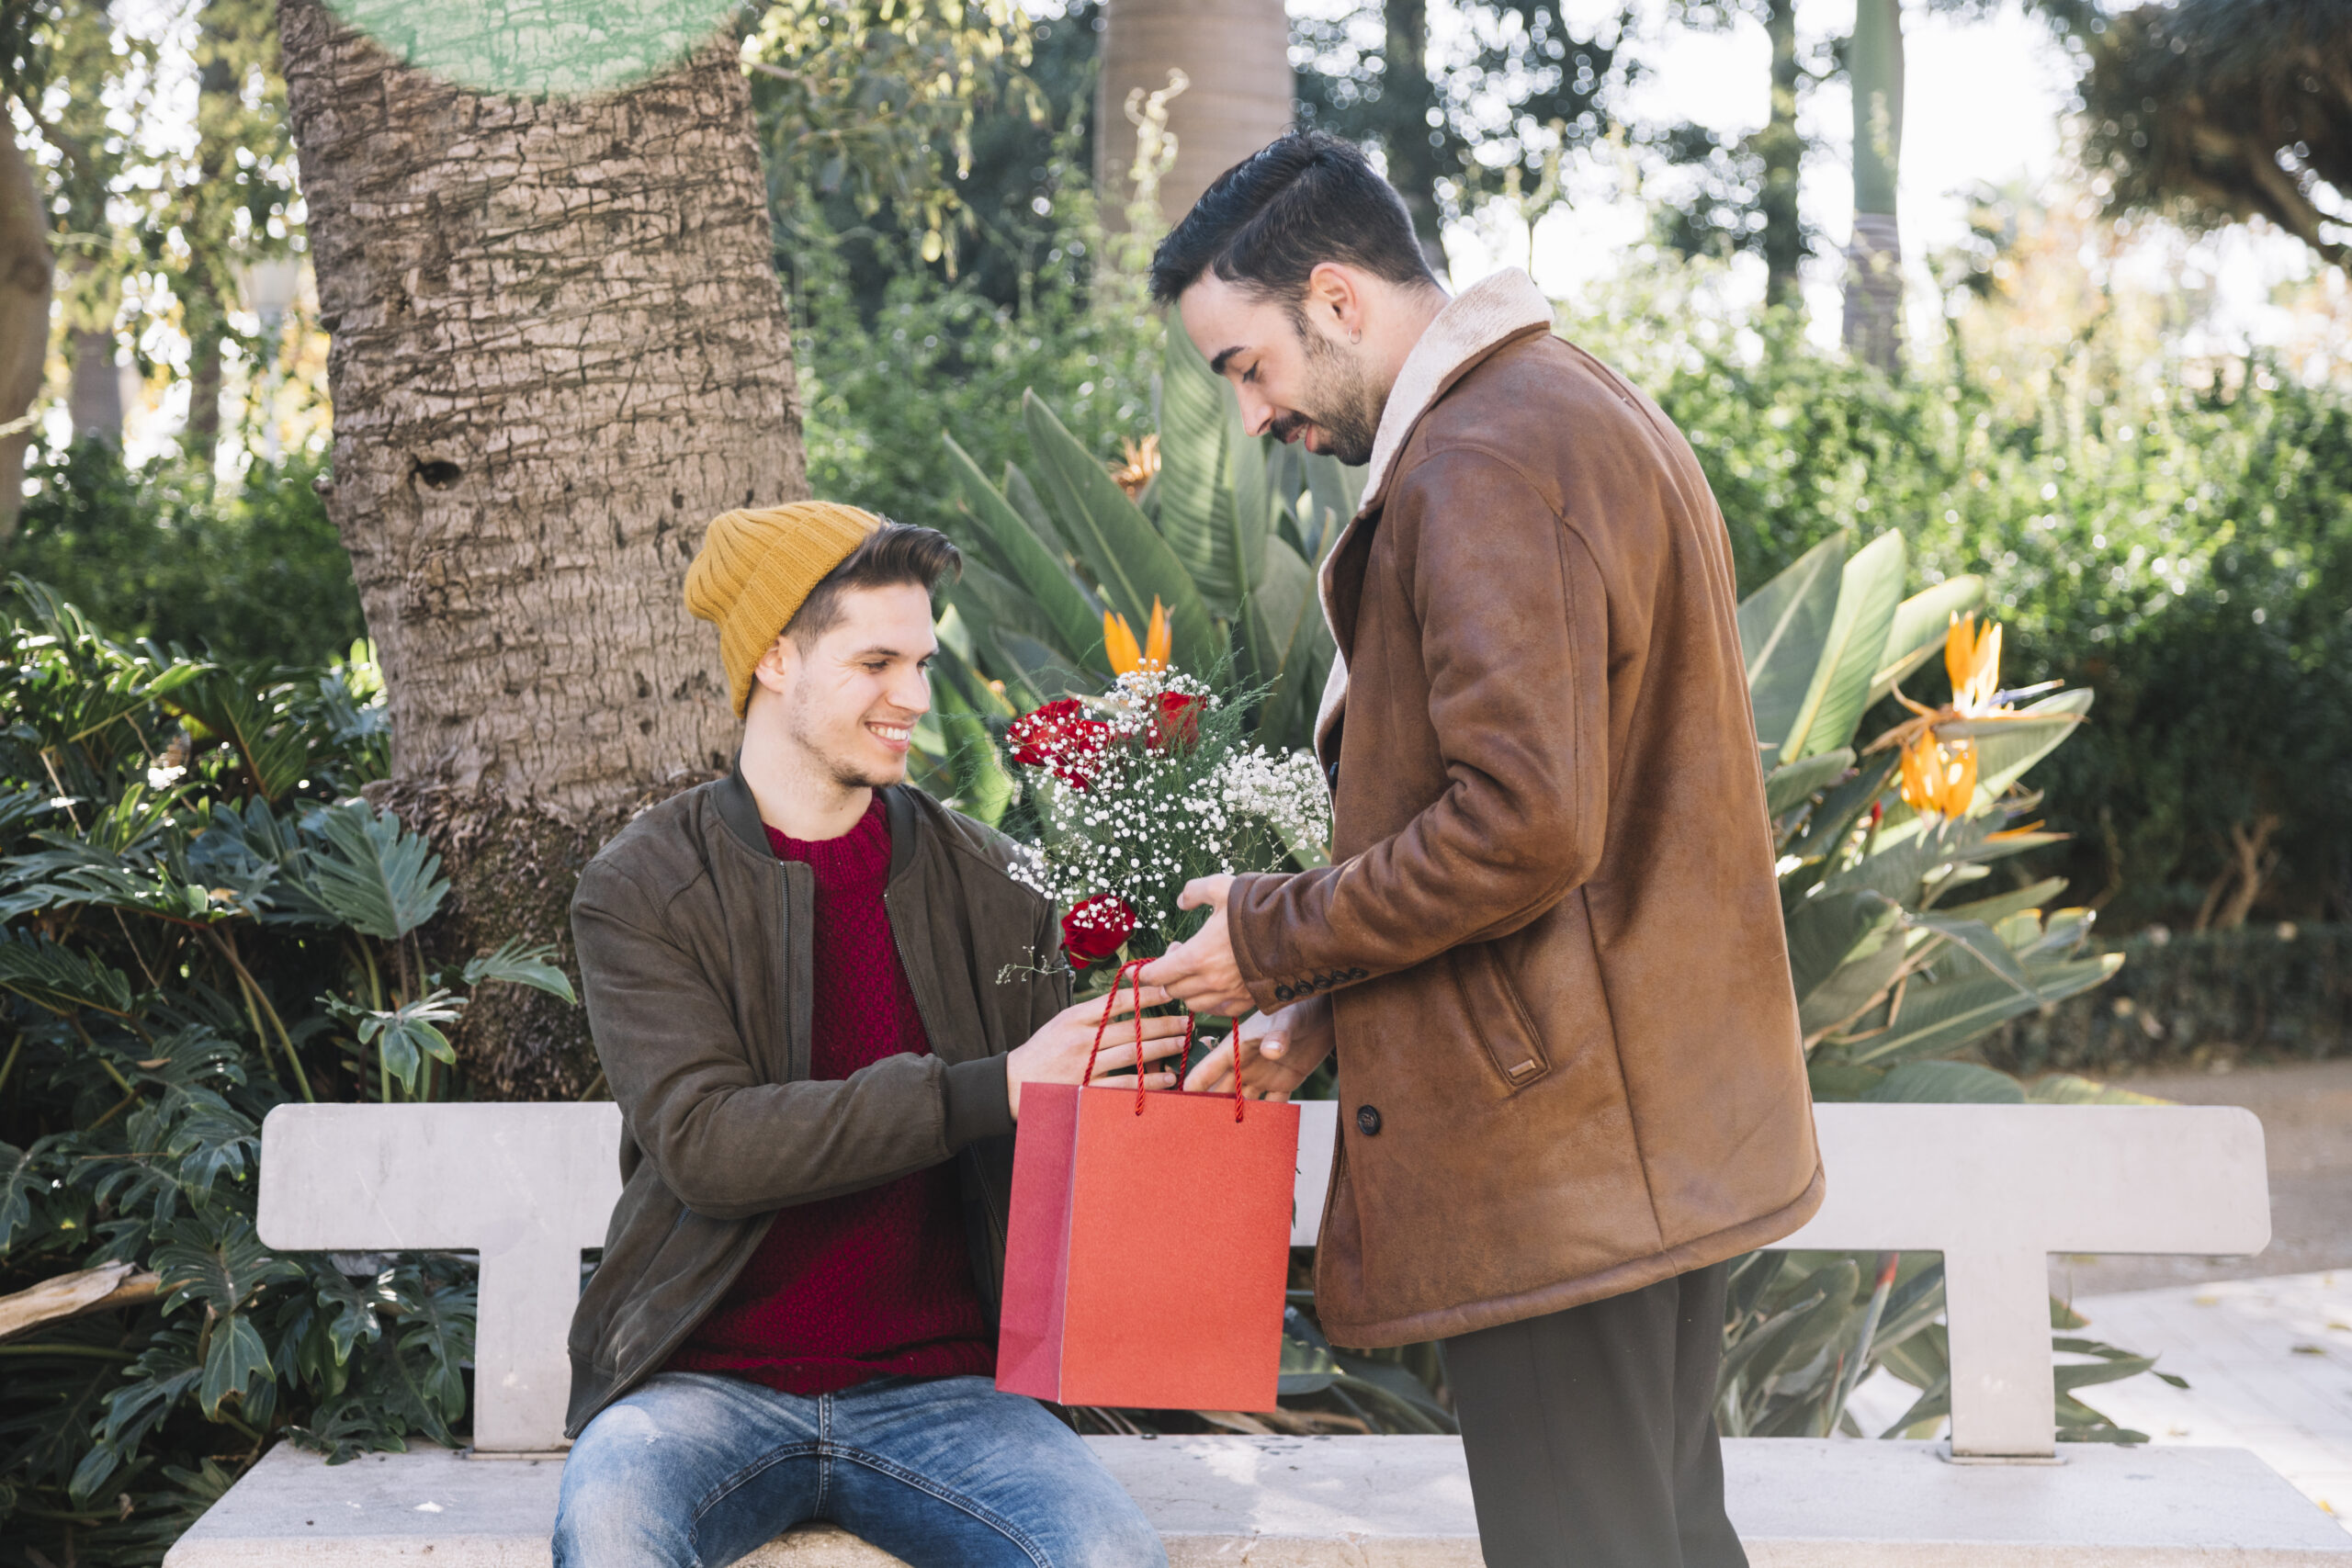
(219, 1263)
(1935, 1019)
(1978, 941)
(515, 963)
(1785, 786)
(1118, 544)
(1197, 459)
(1063, 606)
(1918, 632)
(1869, 588)
(378, 877)
(2005, 750)
(1782, 628)
(1849, 990)
(1288, 644)
(59, 979)
(1826, 932)
(271, 743)
(1945, 1083)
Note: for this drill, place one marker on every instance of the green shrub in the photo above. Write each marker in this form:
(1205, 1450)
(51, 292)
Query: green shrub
(198, 920)
(250, 573)
(938, 356)
(2176, 536)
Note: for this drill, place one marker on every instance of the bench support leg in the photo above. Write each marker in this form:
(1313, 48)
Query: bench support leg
(522, 1372)
(1997, 1310)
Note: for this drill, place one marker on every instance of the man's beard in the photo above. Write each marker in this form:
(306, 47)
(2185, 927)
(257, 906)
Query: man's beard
(845, 772)
(1339, 400)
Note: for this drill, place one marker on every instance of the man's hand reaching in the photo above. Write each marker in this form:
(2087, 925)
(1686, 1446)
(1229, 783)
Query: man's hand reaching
(1201, 971)
(1278, 1051)
(1058, 1053)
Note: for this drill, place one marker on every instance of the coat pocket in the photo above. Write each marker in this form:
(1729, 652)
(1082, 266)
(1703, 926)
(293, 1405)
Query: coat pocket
(1499, 1016)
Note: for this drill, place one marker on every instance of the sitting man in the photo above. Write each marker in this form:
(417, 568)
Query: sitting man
(817, 994)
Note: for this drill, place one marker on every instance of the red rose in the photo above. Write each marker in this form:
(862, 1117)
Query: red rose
(1097, 928)
(1060, 737)
(1179, 720)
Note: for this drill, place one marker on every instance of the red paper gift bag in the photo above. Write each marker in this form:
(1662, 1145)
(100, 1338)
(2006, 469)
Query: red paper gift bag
(1148, 1248)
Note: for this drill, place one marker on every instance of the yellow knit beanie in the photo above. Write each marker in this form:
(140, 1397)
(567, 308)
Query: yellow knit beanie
(756, 567)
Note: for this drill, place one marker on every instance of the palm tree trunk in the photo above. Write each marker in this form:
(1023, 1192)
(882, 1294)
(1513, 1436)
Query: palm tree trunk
(25, 270)
(1783, 150)
(559, 347)
(1873, 325)
(1416, 163)
(1236, 55)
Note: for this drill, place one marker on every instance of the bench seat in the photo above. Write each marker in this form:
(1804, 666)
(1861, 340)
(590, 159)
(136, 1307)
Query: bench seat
(1380, 1503)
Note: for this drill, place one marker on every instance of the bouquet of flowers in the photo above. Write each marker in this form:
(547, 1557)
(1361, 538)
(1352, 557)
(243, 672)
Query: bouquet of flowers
(1137, 791)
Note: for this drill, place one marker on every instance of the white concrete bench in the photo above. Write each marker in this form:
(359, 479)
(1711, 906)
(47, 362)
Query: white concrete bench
(1995, 1189)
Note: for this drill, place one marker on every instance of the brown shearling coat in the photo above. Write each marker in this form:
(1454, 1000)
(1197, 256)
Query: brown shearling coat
(1551, 937)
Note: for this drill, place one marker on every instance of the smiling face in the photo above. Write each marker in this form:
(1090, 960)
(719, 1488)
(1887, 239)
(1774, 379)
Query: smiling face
(841, 706)
(1301, 370)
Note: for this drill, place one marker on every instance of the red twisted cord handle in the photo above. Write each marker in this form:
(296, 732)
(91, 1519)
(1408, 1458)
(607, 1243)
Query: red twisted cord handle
(1129, 972)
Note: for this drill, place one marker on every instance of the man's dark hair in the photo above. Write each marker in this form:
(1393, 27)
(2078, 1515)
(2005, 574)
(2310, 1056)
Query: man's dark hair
(1270, 220)
(893, 554)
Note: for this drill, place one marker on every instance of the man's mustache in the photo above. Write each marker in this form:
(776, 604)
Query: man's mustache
(1289, 425)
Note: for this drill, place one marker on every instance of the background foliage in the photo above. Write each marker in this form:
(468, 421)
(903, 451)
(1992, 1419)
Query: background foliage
(203, 920)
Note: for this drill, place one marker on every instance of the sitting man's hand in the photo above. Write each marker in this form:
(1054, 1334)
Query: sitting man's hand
(1058, 1053)
(1277, 1050)
(1201, 971)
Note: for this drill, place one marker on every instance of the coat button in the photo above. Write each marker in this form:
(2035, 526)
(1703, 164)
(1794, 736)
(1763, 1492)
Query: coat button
(1368, 1119)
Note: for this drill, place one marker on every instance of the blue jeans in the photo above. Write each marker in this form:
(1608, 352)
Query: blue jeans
(695, 1470)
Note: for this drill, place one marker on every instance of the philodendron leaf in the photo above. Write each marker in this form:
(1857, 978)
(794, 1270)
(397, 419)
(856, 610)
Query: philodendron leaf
(61, 980)
(379, 878)
(517, 964)
(405, 1035)
(235, 1359)
(218, 1268)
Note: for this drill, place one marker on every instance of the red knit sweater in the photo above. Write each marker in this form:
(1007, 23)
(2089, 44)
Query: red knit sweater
(870, 1283)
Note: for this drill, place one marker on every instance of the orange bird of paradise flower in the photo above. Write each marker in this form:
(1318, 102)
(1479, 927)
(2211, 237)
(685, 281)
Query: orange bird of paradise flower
(1938, 779)
(1972, 660)
(1120, 647)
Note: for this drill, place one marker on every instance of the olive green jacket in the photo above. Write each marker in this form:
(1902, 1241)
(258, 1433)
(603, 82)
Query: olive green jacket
(694, 950)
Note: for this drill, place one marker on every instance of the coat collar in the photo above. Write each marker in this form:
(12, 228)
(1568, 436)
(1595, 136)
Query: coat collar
(1472, 324)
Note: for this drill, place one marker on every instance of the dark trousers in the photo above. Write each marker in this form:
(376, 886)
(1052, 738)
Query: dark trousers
(1591, 1432)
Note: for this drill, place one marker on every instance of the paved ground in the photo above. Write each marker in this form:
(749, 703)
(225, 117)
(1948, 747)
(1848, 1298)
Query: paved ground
(2306, 1114)
(2269, 1367)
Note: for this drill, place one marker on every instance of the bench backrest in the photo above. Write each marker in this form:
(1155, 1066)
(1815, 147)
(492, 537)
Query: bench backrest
(1995, 1188)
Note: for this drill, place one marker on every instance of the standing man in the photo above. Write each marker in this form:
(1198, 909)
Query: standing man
(1548, 950)
(817, 994)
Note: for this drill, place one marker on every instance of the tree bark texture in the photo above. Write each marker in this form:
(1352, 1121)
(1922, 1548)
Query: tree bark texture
(1873, 323)
(1783, 150)
(26, 275)
(558, 348)
(1236, 55)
